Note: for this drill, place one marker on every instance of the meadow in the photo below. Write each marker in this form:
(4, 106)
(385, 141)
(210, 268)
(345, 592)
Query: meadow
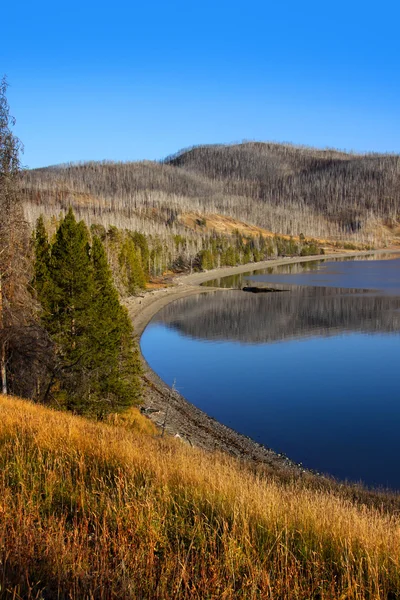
(111, 510)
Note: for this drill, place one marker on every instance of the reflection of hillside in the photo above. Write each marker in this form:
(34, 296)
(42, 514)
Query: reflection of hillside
(262, 318)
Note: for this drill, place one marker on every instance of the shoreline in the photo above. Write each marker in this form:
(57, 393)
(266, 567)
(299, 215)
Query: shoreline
(173, 412)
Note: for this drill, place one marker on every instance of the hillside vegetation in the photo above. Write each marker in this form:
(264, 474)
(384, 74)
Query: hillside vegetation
(279, 187)
(91, 510)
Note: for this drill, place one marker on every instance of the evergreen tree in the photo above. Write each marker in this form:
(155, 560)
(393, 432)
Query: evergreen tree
(96, 358)
(65, 302)
(72, 283)
(131, 267)
(248, 254)
(115, 361)
(140, 241)
(205, 259)
(41, 279)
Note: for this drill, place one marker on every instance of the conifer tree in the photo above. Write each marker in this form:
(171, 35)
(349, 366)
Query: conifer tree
(131, 267)
(71, 274)
(96, 358)
(140, 241)
(115, 358)
(66, 314)
(41, 280)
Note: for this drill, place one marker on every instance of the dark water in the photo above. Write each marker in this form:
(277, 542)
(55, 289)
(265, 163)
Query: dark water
(313, 372)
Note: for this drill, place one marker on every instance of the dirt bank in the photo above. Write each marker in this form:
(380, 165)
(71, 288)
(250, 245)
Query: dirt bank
(170, 410)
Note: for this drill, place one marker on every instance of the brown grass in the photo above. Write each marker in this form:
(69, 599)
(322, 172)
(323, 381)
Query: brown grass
(92, 510)
(227, 226)
(133, 420)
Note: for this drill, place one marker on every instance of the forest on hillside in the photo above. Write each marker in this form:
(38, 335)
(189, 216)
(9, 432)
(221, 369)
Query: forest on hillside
(282, 188)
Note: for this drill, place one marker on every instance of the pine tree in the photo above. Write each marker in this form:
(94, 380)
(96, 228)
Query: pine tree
(131, 267)
(205, 258)
(115, 357)
(72, 282)
(41, 279)
(97, 361)
(141, 245)
(65, 304)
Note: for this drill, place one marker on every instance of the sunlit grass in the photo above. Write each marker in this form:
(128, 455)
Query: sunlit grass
(92, 510)
(133, 420)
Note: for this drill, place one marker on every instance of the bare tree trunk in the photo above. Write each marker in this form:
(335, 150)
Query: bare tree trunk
(3, 346)
(3, 368)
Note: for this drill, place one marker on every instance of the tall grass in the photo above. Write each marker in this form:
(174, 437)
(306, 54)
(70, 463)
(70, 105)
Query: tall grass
(101, 511)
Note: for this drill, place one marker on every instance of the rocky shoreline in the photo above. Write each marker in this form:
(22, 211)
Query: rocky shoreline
(170, 411)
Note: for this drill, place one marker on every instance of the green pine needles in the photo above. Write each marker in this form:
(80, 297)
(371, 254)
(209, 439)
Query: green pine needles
(132, 273)
(96, 361)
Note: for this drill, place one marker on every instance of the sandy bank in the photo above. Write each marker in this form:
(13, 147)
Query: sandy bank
(166, 406)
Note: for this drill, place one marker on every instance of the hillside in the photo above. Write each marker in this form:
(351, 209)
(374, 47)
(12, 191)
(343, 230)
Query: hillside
(91, 510)
(280, 188)
(337, 187)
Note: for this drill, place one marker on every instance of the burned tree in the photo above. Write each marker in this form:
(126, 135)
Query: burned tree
(14, 243)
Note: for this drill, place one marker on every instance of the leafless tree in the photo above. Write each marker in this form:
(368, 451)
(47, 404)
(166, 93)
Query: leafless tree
(14, 244)
(283, 188)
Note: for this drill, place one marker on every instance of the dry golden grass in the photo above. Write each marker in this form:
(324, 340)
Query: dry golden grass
(92, 510)
(228, 225)
(221, 224)
(133, 420)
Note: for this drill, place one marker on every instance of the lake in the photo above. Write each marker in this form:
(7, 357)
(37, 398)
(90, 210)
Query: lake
(311, 370)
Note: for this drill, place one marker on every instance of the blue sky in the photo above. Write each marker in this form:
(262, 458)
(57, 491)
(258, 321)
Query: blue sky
(134, 80)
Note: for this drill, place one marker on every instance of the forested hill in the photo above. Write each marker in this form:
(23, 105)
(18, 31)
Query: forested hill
(282, 188)
(347, 191)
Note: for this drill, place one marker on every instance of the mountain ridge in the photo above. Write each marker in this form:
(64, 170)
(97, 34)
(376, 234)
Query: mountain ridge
(284, 189)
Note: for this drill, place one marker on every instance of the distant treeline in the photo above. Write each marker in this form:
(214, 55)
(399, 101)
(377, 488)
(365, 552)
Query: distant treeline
(239, 249)
(285, 189)
(135, 257)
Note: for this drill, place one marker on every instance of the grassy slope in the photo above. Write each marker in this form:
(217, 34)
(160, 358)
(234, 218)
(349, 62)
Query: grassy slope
(228, 226)
(93, 510)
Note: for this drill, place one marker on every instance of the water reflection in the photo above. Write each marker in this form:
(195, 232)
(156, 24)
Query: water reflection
(327, 394)
(261, 318)
(373, 272)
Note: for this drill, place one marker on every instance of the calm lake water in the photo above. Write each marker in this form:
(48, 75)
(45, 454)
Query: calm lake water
(311, 371)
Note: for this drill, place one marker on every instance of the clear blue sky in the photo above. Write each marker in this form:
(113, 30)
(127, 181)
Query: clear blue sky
(133, 80)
